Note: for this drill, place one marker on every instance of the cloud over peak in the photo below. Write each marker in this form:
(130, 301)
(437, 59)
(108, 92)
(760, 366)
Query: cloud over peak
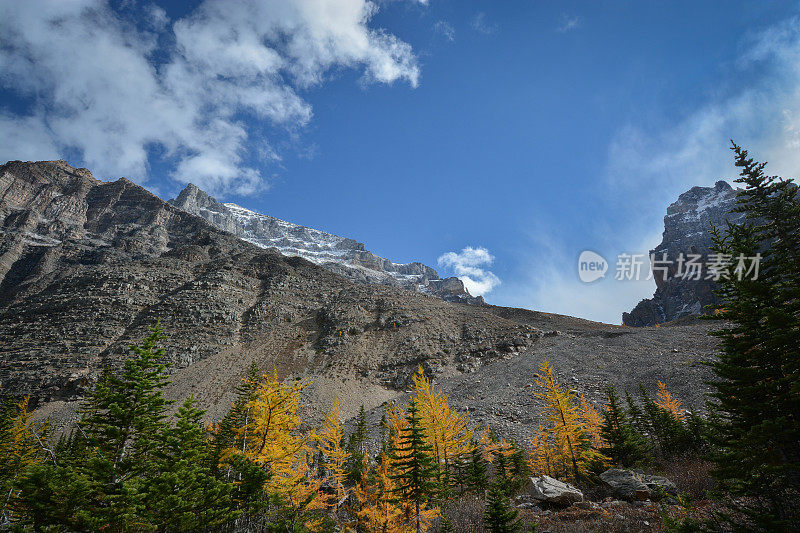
(469, 265)
(114, 86)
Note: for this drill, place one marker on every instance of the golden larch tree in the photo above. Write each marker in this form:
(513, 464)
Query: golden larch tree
(570, 435)
(334, 456)
(668, 402)
(446, 431)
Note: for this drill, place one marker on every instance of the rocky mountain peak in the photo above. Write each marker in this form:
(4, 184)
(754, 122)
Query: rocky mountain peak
(341, 255)
(686, 231)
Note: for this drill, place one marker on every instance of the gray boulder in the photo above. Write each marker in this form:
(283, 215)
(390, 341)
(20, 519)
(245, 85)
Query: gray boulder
(551, 490)
(632, 486)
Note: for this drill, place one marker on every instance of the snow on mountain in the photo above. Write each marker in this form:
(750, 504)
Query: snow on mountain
(342, 255)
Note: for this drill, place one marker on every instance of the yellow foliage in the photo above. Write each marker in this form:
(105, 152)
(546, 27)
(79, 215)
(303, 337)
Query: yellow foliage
(446, 431)
(543, 458)
(487, 444)
(666, 401)
(271, 439)
(377, 511)
(334, 456)
(568, 432)
(592, 422)
(21, 446)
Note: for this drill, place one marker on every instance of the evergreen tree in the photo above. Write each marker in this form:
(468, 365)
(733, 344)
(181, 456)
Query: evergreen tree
(624, 444)
(520, 471)
(102, 483)
(356, 447)
(476, 471)
(500, 516)
(500, 461)
(225, 434)
(756, 398)
(185, 495)
(413, 465)
(446, 525)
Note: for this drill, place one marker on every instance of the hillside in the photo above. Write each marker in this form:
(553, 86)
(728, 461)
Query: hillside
(86, 266)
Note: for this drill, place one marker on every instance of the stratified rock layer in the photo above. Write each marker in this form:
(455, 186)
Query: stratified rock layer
(87, 266)
(341, 255)
(686, 231)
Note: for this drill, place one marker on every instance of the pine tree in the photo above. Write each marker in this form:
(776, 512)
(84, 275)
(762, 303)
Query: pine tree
(756, 427)
(102, 481)
(446, 525)
(185, 495)
(500, 516)
(224, 434)
(446, 431)
(356, 447)
(476, 471)
(413, 464)
(22, 446)
(623, 443)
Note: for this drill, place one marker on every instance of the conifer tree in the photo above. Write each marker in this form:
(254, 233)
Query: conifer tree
(356, 447)
(570, 434)
(500, 516)
(446, 431)
(446, 525)
(475, 478)
(413, 465)
(756, 397)
(334, 456)
(22, 445)
(623, 443)
(378, 510)
(185, 495)
(225, 433)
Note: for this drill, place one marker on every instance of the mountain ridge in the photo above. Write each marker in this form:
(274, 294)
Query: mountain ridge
(341, 255)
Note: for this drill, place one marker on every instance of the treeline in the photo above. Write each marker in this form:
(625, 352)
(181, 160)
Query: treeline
(127, 467)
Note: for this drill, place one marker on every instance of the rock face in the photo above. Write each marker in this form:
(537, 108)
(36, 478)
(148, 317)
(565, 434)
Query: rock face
(341, 255)
(686, 231)
(87, 266)
(635, 486)
(551, 490)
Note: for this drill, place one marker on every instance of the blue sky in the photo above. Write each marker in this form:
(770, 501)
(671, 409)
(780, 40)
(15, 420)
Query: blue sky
(533, 130)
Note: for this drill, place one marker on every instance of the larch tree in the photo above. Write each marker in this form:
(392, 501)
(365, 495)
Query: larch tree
(570, 436)
(334, 456)
(446, 431)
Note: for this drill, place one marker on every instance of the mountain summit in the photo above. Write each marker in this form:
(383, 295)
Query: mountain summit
(346, 257)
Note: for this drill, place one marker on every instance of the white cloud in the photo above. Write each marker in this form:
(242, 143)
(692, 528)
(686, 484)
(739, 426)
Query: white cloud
(446, 29)
(762, 115)
(648, 168)
(469, 266)
(481, 25)
(101, 85)
(568, 24)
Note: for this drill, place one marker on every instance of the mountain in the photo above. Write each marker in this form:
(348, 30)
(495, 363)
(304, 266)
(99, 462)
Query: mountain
(338, 254)
(686, 231)
(86, 266)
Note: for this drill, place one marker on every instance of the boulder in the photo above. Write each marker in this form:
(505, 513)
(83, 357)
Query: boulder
(551, 490)
(635, 486)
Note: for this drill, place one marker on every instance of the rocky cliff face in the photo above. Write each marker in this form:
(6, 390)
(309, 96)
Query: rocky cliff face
(341, 255)
(686, 231)
(87, 266)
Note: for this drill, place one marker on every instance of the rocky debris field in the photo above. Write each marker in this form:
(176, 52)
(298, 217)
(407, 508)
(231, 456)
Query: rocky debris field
(87, 266)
